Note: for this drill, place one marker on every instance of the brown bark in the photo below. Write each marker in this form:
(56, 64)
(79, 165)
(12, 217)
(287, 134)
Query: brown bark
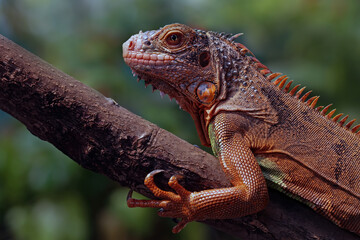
(106, 138)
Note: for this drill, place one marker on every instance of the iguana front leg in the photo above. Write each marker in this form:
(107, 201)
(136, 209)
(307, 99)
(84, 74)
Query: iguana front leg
(247, 195)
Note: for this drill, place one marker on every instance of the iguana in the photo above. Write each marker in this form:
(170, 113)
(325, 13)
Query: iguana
(257, 125)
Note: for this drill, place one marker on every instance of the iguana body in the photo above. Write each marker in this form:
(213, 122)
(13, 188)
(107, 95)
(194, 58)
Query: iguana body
(251, 118)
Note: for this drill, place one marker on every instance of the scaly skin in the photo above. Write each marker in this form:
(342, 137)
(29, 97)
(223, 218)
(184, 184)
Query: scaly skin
(251, 119)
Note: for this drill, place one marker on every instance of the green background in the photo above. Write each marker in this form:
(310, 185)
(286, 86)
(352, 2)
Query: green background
(45, 195)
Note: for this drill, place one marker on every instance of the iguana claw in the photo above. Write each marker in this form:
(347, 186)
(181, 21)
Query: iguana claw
(175, 205)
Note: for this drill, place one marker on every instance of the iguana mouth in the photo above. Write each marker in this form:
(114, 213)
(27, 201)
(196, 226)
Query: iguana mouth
(142, 55)
(134, 52)
(137, 53)
(135, 58)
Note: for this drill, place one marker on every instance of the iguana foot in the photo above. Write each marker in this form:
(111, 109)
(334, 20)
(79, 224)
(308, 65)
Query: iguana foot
(174, 205)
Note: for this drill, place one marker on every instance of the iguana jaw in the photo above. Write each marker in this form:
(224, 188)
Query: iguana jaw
(184, 103)
(167, 69)
(143, 63)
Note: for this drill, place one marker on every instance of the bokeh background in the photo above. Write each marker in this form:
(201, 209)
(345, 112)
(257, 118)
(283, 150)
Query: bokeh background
(45, 195)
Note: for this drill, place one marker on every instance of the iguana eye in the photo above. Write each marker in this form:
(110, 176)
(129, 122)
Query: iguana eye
(206, 92)
(174, 39)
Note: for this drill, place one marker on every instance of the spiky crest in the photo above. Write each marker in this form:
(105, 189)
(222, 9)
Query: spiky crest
(235, 36)
(279, 80)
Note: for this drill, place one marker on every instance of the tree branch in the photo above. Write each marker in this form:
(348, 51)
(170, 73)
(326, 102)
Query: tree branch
(106, 138)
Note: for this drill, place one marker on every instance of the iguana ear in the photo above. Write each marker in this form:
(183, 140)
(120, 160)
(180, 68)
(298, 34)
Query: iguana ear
(238, 83)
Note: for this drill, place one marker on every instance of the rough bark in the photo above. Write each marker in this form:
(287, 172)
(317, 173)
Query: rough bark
(102, 136)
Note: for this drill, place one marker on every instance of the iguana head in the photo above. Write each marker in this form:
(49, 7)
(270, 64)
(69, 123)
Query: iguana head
(192, 66)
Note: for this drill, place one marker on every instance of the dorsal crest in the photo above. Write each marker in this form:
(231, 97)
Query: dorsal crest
(281, 81)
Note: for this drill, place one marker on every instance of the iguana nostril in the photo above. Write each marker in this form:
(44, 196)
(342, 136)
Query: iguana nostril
(131, 45)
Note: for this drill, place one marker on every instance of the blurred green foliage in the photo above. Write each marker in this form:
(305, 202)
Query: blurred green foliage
(45, 195)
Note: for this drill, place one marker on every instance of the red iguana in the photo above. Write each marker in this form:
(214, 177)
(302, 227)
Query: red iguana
(258, 127)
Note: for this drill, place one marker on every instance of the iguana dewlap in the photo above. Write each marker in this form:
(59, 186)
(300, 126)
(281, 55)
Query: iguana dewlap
(243, 111)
